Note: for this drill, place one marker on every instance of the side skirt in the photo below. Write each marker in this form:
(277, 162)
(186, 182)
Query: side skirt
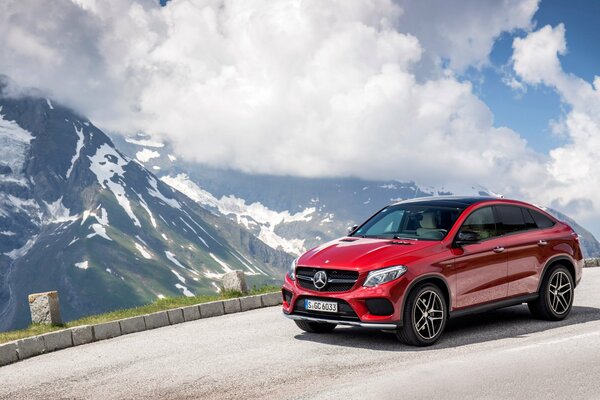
(513, 301)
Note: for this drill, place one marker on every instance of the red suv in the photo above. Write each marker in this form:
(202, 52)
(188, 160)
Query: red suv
(416, 263)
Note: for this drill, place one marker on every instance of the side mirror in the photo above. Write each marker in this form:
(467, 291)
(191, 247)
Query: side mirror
(467, 237)
(352, 229)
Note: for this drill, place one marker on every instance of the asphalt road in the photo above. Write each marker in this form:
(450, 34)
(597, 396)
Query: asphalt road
(260, 354)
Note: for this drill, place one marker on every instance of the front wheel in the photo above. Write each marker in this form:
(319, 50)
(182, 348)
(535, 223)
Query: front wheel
(315, 327)
(555, 299)
(425, 315)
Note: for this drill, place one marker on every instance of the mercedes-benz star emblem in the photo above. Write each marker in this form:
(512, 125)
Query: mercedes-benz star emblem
(320, 279)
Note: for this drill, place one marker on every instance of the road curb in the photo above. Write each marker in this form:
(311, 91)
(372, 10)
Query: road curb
(22, 349)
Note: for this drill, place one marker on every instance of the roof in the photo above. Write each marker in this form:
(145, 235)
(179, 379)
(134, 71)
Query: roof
(448, 201)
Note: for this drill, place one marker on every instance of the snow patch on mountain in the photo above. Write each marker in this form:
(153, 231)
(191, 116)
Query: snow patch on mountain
(107, 164)
(143, 251)
(181, 278)
(78, 147)
(145, 207)
(82, 265)
(212, 275)
(154, 191)
(249, 215)
(22, 251)
(14, 144)
(195, 232)
(26, 206)
(56, 212)
(184, 290)
(223, 264)
(145, 142)
(99, 230)
(174, 260)
(146, 155)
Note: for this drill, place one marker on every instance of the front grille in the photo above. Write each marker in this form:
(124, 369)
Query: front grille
(345, 312)
(338, 280)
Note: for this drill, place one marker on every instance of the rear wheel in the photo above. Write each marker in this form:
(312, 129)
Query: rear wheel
(315, 327)
(424, 316)
(555, 299)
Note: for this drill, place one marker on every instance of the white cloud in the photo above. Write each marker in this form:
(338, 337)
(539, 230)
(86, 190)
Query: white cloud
(574, 171)
(535, 56)
(463, 32)
(308, 88)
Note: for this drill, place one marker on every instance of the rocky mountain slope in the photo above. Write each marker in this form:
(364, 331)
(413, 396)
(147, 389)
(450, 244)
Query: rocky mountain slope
(293, 213)
(78, 216)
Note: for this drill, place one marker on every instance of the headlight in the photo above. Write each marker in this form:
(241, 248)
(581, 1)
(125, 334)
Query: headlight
(292, 270)
(384, 275)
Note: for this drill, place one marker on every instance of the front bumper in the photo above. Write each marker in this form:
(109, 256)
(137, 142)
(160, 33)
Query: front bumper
(372, 325)
(353, 304)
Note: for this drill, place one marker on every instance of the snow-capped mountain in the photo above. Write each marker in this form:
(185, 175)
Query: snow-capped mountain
(78, 216)
(291, 213)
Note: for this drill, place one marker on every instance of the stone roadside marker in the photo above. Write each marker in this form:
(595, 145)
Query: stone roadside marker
(232, 306)
(236, 281)
(44, 308)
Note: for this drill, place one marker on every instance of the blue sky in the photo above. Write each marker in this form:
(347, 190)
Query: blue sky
(531, 112)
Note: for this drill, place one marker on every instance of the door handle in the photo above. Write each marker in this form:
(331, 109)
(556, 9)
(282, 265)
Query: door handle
(498, 249)
(542, 242)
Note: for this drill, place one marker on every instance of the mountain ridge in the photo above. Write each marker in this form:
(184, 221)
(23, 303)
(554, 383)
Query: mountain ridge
(293, 213)
(78, 215)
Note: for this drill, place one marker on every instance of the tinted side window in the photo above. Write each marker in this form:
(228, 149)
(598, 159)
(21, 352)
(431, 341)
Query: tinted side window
(529, 222)
(541, 220)
(511, 219)
(481, 221)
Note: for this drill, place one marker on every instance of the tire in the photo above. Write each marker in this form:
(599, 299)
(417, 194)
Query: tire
(315, 327)
(551, 305)
(424, 301)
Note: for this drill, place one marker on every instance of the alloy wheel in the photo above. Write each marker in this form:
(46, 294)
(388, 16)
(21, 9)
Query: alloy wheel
(560, 292)
(428, 315)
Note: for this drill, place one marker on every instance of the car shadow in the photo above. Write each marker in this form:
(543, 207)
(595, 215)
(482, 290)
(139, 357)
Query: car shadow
(511, 322)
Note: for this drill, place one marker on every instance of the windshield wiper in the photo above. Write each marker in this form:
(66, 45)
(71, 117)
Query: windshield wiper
(396, 237)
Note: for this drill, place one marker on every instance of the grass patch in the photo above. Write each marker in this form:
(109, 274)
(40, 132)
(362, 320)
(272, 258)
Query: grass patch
(158, 305)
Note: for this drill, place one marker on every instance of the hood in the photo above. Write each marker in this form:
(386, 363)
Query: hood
(363, 253)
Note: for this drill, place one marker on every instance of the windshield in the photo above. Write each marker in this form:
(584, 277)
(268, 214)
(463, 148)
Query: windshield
(410, 221)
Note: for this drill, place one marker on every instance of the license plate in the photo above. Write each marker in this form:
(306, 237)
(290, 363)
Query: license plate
(317, 305)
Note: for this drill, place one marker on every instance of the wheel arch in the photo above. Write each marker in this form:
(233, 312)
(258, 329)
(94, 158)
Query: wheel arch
(560, 259)
(437, 280)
